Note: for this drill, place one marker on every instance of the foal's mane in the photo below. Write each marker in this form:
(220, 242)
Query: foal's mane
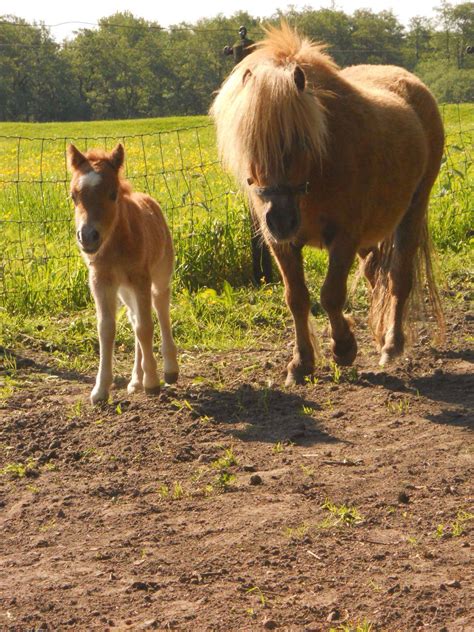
(261, 115)
(98, 158)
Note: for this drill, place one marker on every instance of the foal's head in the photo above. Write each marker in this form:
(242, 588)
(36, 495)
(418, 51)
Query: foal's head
(95, 185)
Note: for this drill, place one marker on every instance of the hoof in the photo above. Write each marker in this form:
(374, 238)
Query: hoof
(99, 396)
(298, 373)
(171, 377)
(153, 390)
(134, 387)
(389, 354)
(392, 348)
(344, 353)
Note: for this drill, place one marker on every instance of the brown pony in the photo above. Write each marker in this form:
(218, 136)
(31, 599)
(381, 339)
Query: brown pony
(127, 247)
(337, 159)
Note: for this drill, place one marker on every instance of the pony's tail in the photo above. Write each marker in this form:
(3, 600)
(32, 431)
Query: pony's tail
(377, 267)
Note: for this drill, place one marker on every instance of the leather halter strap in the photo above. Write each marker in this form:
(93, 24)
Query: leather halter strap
(280, 189)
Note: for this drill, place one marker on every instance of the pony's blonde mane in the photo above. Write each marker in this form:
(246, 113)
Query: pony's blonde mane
(260, 114)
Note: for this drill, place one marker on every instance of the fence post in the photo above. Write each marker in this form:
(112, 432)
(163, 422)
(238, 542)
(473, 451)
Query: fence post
(261, 257)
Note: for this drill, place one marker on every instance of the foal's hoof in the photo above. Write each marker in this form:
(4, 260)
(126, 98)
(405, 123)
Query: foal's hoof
(153, 390)
(171, 377)
(344, 352)
(99, 396)
(134, 387)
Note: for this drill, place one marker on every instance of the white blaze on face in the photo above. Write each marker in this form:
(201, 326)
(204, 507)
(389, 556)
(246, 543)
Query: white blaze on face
(89, 180)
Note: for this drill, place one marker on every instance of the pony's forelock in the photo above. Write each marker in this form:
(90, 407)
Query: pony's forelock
(262, 116)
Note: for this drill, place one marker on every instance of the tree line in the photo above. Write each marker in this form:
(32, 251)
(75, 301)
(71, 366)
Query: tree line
(129, 67)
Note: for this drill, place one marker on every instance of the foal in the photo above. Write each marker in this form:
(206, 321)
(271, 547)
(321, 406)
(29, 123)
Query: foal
(127, 247)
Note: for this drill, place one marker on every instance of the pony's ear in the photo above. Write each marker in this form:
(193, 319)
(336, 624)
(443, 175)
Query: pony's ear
(117, 157)
(300, 78)
(74, 158)
(246, 77)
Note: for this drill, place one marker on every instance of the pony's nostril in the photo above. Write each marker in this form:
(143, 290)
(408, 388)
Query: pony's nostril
(293, 222)
(270, 222)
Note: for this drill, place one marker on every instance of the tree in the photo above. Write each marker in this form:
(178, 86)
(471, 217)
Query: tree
(35, 79)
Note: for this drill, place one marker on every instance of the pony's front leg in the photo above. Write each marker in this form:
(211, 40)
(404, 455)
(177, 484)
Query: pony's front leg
(290, 262)
(105, 297)
(144, 335)
(333, 297)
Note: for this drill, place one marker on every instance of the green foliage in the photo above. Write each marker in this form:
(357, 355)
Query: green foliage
(129, 67)
(340, 515)
(448, 83)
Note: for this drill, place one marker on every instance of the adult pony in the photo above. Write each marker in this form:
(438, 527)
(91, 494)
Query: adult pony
(127, 247)
(337, 159)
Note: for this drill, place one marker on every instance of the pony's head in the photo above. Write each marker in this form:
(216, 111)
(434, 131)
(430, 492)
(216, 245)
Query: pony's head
(271, 126)
(95, 186)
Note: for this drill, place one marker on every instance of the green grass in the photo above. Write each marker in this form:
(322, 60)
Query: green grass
(172, 159)
(175, 160)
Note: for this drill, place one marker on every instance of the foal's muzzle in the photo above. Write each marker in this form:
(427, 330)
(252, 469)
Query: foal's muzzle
(88, 238)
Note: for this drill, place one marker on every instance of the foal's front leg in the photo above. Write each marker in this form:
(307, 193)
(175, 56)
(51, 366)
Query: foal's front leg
(105, 297)
(333, 297)
(290, 262)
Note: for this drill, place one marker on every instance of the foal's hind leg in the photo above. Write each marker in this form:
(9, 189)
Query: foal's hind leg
(290, 262)
(161, 293)
(401, 274)
(333, 297)
(144, 337)
(136, 381)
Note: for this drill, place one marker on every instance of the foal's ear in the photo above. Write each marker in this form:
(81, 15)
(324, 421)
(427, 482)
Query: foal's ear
(117, 157)
(300, 78)
(74, 158)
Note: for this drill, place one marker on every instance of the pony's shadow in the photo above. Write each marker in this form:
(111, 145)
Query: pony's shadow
(449, 388)
(268, 415)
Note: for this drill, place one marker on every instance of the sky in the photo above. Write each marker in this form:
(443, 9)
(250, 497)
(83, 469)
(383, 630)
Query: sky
(166, 13)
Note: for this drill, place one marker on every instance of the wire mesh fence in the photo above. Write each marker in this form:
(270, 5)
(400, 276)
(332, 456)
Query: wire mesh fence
(40, 265)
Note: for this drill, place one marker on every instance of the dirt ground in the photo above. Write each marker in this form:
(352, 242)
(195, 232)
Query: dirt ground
(232, 503)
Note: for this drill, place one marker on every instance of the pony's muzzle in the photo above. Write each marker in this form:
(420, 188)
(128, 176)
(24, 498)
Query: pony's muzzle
(88, 238)
(282, 223)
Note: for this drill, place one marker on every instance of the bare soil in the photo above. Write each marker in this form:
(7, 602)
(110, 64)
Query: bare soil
(135, 517)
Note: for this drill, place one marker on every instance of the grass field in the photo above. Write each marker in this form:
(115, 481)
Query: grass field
(43, 280)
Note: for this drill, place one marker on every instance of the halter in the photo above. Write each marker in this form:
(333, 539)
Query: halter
(280, 189)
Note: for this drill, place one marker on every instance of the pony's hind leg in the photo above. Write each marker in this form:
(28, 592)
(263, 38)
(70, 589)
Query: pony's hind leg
(401, 275)
(161, 294)
(290, 262)
(333, 297)
(370, 258)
